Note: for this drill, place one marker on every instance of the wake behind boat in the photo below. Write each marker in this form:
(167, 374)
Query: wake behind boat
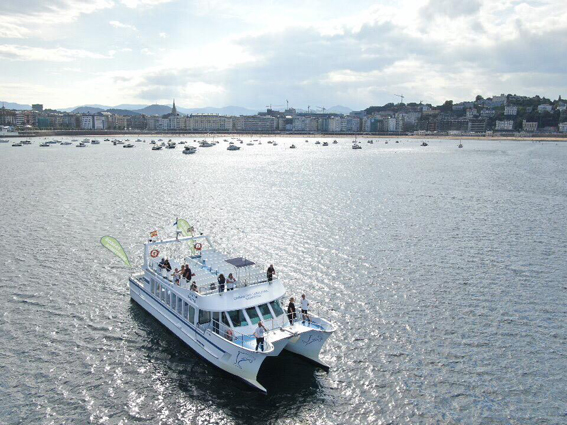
(218, 320)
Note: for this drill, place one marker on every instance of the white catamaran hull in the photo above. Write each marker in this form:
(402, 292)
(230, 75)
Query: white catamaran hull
(238, 361)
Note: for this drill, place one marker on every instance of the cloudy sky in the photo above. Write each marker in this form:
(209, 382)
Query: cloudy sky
(254, 53)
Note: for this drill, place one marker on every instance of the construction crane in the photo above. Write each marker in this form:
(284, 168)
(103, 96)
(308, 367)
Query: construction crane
(401, 96)
(321, 108)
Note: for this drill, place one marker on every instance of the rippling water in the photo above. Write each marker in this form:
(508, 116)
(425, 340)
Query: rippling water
(444, 268)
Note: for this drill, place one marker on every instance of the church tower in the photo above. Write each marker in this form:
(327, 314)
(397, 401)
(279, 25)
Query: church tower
(174, 110)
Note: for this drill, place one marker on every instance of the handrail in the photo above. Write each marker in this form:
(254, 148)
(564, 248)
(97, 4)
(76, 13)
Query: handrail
(224, 332)
(213, 287)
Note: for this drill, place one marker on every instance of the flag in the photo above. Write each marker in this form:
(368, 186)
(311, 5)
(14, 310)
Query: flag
(114, 246)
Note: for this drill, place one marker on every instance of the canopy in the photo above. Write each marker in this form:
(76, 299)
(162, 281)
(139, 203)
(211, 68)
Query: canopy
(240, 262)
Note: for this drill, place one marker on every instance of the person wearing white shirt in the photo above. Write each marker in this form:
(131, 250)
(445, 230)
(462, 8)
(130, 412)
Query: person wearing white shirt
(259, 334)
(305, 309)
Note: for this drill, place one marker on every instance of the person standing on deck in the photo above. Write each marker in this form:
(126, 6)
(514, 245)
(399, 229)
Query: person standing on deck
(305, 309)
(221, 280)
(291, 310)
(271, 272)
(259, 334)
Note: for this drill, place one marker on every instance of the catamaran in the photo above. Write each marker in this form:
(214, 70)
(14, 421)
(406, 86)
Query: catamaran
(218, 320)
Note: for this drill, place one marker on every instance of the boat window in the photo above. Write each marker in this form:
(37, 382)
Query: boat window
(179, 305)
(192, 314)
(185, 309)
(153, 286)
(253, 315)
(238, 318)
(265, 310)
(277, 308)
(173, 300)
(204, 317)
(225, 320)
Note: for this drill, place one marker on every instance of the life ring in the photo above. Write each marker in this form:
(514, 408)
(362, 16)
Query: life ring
(154, 253)
(198, 246)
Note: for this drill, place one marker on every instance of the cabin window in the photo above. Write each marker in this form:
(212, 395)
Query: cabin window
(191, 314)
(204, 317)
(253, 315)
(179, 305)
(158, 289)
(185, 309)
(225, 320)
(153, 286)
(265, 310)
(173, 300)
(238, 318)
(277, 308)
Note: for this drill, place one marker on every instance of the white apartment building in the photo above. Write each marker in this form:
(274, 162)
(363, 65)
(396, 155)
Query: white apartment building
(87, 122)
(545, 108)
(511, 110)
(99, 122)
(505, 125)
(210, 122)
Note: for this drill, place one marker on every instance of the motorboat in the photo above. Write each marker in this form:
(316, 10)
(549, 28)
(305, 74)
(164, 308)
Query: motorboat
(317, 142)
(188, 150)
(249, 144)
(95, 142)
(170, 145)
(460, 145)
(275, 144)
(17, 145)
(81, 145)
(128, 145)
(66, 143)
(386, 142)
(356, 146)
(205, 144)
(156, 148)
(371, 142)
(424, 144)
(44, 145)
(325, 143)
(219, 322)
(335, 142)
(26, 142)
(233, 148)
(292, 147)
(153, 142)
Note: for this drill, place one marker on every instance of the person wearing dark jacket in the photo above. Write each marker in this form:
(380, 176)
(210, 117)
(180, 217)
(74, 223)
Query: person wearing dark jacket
(271, 272)
(291, 310)
(221, 280)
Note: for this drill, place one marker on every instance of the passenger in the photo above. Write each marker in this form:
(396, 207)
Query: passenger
(221, 280)
(176, 276)
(230, 282)
(194, 287)
(259, 334)
(271, 272)
(188, 274)
(291, 310)
(305, 309)
(166, 265)
(161, 263)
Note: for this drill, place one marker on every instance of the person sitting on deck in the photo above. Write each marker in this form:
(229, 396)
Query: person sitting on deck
(194, 287)
(271, 272)
(221, 280)
(259, 334)
(230, 282)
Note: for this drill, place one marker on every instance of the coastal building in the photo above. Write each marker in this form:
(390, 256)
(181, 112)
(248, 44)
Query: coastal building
(545, 108)
(511, 110)
(504, 125)
(87, 122)
(255, 123)
(477, 125)
(99, 122)
(210, 122)
(38, 107)
(563, 127)
(486, 113)
(530, 127)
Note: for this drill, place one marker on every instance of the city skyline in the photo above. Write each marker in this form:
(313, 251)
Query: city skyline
(211, 53)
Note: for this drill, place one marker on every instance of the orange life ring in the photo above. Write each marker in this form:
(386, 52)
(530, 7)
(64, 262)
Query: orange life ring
(154, 253)
(198, 246)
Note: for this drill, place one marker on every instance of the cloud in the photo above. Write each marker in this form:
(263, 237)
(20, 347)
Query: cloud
(26, 53)
(118, 24)
(163, 35)
(133, 4)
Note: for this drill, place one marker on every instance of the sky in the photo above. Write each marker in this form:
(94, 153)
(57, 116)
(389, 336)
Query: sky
(255, 53)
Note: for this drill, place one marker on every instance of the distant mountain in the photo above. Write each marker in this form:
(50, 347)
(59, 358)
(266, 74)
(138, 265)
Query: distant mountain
(128, 107)
(18, 106)
(154, 110)
(87, 110)
(123, 112)
(340, 109)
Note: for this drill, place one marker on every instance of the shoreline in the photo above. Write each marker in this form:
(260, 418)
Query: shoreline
(122, 133)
